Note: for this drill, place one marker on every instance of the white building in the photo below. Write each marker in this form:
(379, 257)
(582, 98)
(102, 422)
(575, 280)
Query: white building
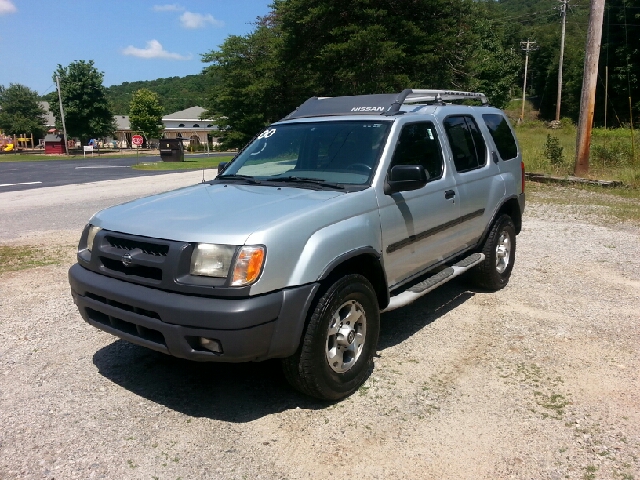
(188, 125)
(185, 124)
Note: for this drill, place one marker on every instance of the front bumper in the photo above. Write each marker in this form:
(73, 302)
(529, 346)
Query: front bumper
(249, 329)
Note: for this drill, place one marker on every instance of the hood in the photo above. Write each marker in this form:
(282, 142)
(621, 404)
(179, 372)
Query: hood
(218, 213)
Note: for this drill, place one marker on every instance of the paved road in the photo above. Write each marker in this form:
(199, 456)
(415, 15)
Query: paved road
(69, 207)
(27, 175)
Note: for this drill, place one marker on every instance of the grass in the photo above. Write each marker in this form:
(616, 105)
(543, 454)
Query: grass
(20, 258)
(188, 164)
(590, 472)
(34, 157)
(76, 155)
(553, 402)
(619, 203)
(41, 157)
(612, 156)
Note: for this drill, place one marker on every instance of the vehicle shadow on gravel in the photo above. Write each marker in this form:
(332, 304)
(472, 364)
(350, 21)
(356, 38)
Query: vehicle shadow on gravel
(244, 392)
(398, 325)
(229, 392)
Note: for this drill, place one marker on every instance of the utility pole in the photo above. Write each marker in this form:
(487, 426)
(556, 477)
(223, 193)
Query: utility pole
(563, 15)
(64, 127)
(589, 81)
(527, 46)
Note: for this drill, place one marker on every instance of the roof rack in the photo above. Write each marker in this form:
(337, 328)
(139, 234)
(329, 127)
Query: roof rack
(383, 104)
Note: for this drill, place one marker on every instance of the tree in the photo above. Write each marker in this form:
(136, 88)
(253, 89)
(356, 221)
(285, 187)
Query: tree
(20, 111)
(145, 114)
(310, 48)
(335, 47)
(621, 53)
(539, 20)
(248, 85)
(492, 67)
(86, 109)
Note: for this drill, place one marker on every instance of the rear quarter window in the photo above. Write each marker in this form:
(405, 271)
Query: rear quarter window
(502, 135)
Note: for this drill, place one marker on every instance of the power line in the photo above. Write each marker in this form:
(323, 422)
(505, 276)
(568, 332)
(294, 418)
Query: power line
(528, 14)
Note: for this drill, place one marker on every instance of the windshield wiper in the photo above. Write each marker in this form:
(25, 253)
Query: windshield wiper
(309, 181)
(233, 176)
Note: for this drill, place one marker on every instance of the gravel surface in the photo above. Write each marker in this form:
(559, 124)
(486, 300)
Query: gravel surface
(537, 381)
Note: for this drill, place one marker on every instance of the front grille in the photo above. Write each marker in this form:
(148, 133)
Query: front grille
(130, 244)
(151, 273)
(123, 306)
(128, 328)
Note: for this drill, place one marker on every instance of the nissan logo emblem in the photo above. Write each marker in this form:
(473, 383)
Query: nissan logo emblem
(127, 259)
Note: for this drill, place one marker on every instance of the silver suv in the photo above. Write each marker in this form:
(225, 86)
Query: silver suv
(348, 207)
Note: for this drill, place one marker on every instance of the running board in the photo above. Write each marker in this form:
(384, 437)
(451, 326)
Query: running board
(410, 295)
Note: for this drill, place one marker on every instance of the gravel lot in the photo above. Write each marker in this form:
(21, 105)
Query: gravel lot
(537, 381)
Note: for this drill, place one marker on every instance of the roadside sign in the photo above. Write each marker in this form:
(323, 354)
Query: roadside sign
(137, 140)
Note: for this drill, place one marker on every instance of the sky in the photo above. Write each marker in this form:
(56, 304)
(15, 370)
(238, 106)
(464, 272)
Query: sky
(128, 40)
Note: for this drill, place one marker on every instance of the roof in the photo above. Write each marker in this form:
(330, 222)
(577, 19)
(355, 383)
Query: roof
(378, 104)
(50, 120)
(122, 122)
(190, 114)
(53, 137)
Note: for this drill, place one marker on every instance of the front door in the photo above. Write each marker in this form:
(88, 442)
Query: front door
(419, 227)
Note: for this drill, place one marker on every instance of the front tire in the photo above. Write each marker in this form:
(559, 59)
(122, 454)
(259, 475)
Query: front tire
(500, 254)
(336, 353)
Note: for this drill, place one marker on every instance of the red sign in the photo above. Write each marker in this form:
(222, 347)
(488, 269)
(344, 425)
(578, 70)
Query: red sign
(137, 140)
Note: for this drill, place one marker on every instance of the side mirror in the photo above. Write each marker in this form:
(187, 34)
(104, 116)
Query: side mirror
(404, 178)
(222, 167)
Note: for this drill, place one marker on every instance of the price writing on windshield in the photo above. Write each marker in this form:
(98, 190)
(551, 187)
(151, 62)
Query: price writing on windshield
(267, 133)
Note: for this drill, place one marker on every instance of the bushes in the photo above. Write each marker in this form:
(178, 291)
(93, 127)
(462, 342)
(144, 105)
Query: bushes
(612, 155)
(553, 150)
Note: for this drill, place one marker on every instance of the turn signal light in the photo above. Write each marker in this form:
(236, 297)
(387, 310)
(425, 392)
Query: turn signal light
(248, 265)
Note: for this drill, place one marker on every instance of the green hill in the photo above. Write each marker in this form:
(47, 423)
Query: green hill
(175, 93)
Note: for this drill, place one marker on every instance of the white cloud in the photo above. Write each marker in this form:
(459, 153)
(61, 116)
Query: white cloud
(198, 20)
(6, 6)
(174, 7)
(154, 50)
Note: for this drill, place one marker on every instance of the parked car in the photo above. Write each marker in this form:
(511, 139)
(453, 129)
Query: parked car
(348, 207)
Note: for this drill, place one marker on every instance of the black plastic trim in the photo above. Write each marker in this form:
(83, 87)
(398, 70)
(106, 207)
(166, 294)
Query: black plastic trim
(346, 256)
(254, 328)
(394, 247)
(495, 214)
(175, 267)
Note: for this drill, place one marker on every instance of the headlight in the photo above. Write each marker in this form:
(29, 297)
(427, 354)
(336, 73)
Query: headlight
(248, 265)
(93, 231)
(216, 261)
(212, 260)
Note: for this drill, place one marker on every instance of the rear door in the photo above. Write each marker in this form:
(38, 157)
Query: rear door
(476, 175)
(506, 148)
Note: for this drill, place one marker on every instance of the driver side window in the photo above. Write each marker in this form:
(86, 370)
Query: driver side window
(418, 145)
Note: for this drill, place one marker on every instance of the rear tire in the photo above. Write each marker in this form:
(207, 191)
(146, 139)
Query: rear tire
(500, 254)
(336, 353)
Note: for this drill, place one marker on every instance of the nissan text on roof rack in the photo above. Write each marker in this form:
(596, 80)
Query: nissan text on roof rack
(346, 208)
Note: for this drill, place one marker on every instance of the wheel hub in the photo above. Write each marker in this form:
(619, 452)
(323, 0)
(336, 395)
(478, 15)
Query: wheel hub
(503, 252)
(345, 336)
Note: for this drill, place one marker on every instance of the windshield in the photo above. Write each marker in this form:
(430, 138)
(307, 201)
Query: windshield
(341, 152)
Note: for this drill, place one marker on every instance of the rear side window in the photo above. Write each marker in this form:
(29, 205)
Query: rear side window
(418, 145)
(502, 135)
(467, 145)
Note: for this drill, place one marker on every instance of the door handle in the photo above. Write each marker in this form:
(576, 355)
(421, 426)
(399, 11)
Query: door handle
(449, 194)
